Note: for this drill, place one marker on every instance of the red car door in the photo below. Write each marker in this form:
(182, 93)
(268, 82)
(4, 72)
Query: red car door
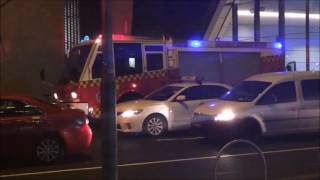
(9, 136)
(20, 128)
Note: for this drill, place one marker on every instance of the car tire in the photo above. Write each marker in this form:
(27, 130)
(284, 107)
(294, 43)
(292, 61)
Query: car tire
(250, 130)
(49, 150)
(155, 125)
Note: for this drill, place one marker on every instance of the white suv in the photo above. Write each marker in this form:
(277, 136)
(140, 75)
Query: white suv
(264, 104)
(168, 108)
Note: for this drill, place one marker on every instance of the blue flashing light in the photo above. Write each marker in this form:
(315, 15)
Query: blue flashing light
(85, 38)
(277, 45)
(195, 43)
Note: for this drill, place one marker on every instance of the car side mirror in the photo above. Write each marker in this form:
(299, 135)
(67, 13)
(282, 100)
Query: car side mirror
(181, 98)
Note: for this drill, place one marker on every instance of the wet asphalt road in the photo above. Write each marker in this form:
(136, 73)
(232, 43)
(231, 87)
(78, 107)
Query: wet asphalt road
(184, 155)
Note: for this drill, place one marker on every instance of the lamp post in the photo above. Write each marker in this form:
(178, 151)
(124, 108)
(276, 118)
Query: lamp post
(108, 102)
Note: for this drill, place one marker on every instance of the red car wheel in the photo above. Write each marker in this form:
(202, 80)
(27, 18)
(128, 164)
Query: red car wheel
(49, 150)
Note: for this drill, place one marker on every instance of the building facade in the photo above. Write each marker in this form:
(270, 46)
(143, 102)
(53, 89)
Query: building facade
(221, 27)
(35, 36)
(32, 43)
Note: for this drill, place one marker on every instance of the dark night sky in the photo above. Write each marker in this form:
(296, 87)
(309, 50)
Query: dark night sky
(177, 18)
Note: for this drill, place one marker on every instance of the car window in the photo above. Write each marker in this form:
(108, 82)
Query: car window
(163, 93)
(192, 93)
(203, 92)
(246, 91)
(311, 89)
(280, 93)
(212, 91)
(10, 107)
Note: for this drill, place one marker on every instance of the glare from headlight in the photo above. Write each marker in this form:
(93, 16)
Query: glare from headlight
(130, 113)
(55, 95)
(225, 115)
(74, 95)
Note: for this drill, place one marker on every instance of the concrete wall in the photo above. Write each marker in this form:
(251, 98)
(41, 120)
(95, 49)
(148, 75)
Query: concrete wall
(32, 34)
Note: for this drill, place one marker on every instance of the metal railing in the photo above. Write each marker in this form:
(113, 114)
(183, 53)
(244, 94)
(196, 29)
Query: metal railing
(243, 141)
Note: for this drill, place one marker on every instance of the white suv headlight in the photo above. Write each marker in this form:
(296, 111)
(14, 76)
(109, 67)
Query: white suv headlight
(130, 113)
(225, 115)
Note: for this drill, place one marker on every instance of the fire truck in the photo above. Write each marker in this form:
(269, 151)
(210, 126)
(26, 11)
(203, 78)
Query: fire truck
(143, 65)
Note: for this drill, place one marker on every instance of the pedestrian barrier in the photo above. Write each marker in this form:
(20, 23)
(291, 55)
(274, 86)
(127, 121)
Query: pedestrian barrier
(238, 141)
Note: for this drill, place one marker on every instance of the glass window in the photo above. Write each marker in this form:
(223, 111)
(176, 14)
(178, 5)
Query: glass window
(75, 63)
(280, 93)
(97, 66)
(163, 93)
(16, 108)
(154, 48)
(203, 92)
(311, 89)
(193, 93)
(127, 58)
(246, 91)
(154, 62)
(212, 91)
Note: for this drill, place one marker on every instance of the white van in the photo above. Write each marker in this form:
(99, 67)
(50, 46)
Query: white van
(265, 104)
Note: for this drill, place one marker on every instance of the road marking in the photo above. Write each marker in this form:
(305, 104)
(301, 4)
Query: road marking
(167, 161)
(50, 172)
(158, 162)
(181, 139)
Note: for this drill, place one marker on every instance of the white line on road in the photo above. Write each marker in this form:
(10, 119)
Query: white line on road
(156, 162)
(181, 139)
(50, 172)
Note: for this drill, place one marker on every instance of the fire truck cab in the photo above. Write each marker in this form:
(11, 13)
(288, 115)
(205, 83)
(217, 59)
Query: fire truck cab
(141, 66)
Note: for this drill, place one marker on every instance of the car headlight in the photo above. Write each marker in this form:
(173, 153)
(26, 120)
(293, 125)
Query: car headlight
(55, 95)
(130, 113)
(74, 95)
(225, 115)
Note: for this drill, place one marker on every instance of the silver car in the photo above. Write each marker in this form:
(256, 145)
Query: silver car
(264, 104)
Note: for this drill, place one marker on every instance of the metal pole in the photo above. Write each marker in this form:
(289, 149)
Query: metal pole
(282, 29)
(257, 21)
(239, 141)
(108, 103)
(307, 37)
(234, 22)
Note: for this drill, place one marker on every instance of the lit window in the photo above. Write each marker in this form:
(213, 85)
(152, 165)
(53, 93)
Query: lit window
(132, 62)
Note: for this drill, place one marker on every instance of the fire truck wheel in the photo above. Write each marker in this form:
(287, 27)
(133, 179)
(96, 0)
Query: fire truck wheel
(155, 125)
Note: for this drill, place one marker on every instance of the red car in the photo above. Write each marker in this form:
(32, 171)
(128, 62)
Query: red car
(33, 127)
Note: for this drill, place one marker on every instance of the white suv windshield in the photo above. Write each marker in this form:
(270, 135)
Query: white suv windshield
(163, 93)
(246, 91)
